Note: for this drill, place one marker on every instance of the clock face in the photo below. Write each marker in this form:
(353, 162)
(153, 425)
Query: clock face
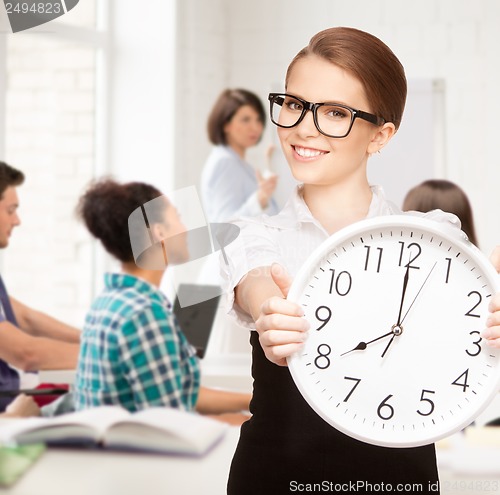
(394, 356)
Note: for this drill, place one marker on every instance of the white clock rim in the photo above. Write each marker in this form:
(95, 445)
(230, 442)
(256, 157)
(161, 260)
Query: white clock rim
(450, 233)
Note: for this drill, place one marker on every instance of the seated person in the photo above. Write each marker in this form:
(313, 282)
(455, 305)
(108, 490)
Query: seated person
(444, 195)
(133, 352)
(29, 340)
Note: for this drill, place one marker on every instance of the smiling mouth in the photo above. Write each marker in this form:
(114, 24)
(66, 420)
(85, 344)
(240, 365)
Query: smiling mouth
(308, 152)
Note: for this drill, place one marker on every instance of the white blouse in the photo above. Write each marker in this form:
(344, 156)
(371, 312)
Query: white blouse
(288, 238)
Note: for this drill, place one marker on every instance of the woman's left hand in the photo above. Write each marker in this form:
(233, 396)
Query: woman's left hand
(492, 331)
(495, 258)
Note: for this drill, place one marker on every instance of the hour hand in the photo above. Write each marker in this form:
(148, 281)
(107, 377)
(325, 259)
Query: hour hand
(363, 345)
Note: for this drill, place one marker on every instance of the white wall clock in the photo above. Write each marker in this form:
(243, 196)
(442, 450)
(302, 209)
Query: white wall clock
(394, 355)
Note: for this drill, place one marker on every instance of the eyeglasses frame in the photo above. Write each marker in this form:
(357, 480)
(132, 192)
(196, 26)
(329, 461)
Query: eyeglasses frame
(313, 107)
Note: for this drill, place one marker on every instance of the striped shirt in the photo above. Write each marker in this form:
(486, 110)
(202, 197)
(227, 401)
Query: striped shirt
(133, 352)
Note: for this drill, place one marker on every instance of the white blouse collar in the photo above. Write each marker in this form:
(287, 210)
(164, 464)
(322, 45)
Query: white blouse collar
(296, 210)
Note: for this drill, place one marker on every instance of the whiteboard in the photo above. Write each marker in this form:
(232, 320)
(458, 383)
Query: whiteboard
(417, 151)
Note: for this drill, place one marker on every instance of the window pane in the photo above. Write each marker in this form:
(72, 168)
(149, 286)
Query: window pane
(50, 126)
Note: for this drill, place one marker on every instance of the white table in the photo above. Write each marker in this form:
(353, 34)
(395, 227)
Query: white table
(463, 470)
(83, 472)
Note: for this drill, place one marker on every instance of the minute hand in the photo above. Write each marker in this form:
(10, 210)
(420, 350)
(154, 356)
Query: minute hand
(403, 293)
(401, 320)
(398, 324)
(419, 290)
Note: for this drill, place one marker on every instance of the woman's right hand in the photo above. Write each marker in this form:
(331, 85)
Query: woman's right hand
(22, 406)
(281, 326)
(266, 188)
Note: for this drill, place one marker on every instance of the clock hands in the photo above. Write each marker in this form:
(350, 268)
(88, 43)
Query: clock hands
(419, 290)
(390, 342)
(398, 329)
(363, 345)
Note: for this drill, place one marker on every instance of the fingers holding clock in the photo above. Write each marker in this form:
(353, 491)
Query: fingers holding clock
(492, 331)
(282, 329)
(280, 344)
(281, 278)
(495, 258)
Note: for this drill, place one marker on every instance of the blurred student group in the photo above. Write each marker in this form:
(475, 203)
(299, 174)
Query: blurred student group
(151, 362)
(138, 348)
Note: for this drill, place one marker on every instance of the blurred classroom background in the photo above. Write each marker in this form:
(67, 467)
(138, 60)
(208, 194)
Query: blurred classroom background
(124, 88)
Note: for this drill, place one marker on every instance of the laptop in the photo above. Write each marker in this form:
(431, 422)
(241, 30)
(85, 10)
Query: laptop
(195, 308)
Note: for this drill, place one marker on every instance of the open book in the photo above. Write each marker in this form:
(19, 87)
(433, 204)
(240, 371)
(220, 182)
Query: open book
(158, 429)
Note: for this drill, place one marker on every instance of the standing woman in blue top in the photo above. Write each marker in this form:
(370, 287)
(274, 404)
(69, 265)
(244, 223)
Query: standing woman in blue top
(133, 353)
(230, 186)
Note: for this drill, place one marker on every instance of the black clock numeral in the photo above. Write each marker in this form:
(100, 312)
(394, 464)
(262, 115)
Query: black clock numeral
(463, 384)
(380, 250)
(342, 283)
(357, 380)
(478, 348)
(470, 312)
(415, 256)
(385, 411)
(448, 270)
(326, 319)
(322, 361)
(426, 399)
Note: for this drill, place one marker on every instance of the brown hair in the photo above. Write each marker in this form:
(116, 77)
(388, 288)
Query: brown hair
(9, 177)
(444, 195)
(369, 60)
(228, 103)
(105, 209)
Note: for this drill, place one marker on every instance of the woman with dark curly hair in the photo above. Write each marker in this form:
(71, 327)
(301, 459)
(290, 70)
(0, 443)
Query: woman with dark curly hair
(133, 352)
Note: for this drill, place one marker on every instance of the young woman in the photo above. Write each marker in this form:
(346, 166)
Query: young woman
(445, 195)
(133, 352)
(327, 147)
(230, 186)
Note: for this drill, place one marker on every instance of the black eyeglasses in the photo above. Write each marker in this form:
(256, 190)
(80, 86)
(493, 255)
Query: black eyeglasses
(331, 119)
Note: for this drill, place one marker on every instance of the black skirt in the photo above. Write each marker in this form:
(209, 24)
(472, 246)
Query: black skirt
(287, 448)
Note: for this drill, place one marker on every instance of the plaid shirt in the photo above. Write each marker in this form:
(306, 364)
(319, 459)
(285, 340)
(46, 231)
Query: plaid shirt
(132, 351)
